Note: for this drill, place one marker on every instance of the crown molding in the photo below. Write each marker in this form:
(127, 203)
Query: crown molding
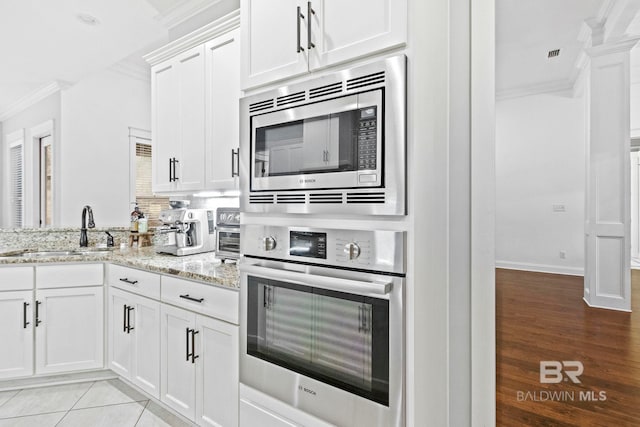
(184, 11)
(32, 99)
(551, 87)
(138, 72)
(624, 44)
(218, 27)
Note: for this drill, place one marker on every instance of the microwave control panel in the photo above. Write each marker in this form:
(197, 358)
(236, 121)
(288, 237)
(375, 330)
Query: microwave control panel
(362, 249)
(368, 139)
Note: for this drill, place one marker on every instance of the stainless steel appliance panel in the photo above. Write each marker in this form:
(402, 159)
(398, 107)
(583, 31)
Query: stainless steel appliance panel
(300, 167)
(322, 323)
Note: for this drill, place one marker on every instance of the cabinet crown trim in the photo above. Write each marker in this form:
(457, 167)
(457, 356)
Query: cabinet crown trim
(210, 31)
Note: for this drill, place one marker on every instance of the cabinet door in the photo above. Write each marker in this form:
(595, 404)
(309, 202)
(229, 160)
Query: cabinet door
(69, 329)
(145, 330)
(223, 93)
(165, 123)
(216, 373)
(345, 30)
(16, 334)
(120, 339)
(270, 40)
(191, 110)
(178, 371)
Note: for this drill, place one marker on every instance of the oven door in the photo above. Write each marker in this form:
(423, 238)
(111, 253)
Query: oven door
(330, 144)
(327, 341)
(228, 243)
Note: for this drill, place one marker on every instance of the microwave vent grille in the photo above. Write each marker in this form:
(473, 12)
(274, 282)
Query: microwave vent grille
(291, 198)
(261, 198)
(318, 92)
(290, 99)
(262, 105)
(368, 80)
(366, 197)
(325, 198)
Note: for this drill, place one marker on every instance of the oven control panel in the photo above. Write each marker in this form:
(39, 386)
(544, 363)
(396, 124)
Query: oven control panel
(380, 250)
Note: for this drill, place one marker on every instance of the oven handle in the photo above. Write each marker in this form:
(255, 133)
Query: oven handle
(318, 281)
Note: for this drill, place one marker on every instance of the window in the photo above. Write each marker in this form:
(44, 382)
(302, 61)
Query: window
(16, 155)
(16, 179)
(46, 181)
(141, 175)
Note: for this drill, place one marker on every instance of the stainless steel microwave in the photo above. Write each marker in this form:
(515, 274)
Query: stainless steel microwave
(333, 144)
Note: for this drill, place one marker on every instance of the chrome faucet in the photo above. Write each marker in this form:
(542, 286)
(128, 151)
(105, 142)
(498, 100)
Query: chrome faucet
(84, 242)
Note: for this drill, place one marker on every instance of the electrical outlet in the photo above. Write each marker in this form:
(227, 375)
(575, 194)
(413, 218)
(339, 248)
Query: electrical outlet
(563, 254)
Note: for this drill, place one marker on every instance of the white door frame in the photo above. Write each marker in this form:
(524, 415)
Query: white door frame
(36, 133)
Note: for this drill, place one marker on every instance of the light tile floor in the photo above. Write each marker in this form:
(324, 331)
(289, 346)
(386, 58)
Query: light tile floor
(100, 403)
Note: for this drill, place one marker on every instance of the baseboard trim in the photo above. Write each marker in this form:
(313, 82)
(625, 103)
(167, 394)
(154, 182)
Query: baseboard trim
(606, 308)
(56, 379)
(540, 268)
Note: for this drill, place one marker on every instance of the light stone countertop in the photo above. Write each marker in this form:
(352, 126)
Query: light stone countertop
(201, 267)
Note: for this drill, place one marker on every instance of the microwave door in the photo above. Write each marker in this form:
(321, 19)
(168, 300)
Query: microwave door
(314, 146)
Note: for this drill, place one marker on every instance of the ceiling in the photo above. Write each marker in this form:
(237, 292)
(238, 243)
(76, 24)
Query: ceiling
(44, 41)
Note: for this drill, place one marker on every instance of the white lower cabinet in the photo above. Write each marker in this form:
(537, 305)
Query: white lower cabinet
(69, 329)
(199, 368)
(16, 334)
(134, 336)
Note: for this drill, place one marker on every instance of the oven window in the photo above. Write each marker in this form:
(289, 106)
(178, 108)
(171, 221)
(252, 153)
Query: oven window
(229, 241)
(340, 142)
(337, 338)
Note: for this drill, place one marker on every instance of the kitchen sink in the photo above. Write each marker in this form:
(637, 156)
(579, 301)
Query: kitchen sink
(47, 254)
(51, 254)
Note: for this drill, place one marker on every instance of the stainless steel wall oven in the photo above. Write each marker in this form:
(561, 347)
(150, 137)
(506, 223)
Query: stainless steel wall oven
(331, 144)
(322, 321)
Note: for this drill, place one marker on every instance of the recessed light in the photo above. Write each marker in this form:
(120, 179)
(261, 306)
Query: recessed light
(87, 19)
(553, 53)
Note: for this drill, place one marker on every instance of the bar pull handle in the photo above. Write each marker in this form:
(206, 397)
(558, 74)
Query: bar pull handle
(193, 345)
(129, 328)
(25, 323)
(124, 318)
(131, 282)
(187, 297)
(310, 11)
(175, 178)
(187, 335)
(298, 16)
(235, 162)
(38, 321)
(170, 169)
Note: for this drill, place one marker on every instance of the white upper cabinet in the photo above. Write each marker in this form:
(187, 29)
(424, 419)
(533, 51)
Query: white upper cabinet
(178, 102)
(343, 30)
(189, 168)
(270, 48)
(195, 87)
(285, 38)
(165, 113)
(223, 93)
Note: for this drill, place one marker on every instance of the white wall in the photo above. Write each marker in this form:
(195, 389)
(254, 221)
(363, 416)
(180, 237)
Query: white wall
(540, 162)
(47, 109)
(97, 112)
(635, 107)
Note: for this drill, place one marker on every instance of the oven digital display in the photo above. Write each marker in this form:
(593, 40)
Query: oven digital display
(308, 244)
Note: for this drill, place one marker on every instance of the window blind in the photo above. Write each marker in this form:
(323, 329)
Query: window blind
(16, 165)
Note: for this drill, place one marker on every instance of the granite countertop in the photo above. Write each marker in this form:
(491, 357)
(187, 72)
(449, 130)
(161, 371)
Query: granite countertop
(202, 267)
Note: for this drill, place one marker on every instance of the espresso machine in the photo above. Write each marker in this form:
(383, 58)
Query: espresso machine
(188, 231)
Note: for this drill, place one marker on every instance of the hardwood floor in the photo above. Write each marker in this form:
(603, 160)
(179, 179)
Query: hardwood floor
(542, 317)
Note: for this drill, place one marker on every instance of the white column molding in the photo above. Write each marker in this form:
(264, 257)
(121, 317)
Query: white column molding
(607, 281)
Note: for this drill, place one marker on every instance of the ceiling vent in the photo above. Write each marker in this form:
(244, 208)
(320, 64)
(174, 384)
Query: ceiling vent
(553, 53)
